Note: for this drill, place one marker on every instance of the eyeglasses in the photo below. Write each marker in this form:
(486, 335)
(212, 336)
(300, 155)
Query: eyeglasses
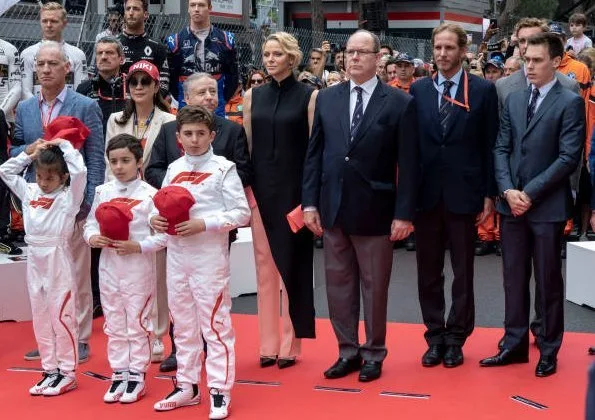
(351, 53)
(256, 81)
(142, 81)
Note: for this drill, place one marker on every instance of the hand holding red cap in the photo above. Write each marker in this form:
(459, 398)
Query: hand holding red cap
(68, 128)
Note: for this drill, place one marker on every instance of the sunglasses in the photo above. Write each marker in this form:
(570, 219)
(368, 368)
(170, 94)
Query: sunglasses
(257, 81)
(142, 81)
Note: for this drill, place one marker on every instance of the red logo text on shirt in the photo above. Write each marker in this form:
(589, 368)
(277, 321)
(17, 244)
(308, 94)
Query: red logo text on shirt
(42, 202)
(191, 177)
(126, 202)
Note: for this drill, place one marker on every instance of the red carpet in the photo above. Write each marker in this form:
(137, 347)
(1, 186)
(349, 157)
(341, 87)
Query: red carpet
(467, 392)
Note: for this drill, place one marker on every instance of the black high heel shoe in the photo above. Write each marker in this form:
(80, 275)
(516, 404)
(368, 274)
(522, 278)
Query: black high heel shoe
(285, 363)
(267, 361)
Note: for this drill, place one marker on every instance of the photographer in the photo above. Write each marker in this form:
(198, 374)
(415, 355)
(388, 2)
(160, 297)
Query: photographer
(107, 87)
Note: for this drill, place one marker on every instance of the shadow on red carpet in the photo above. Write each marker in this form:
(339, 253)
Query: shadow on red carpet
(467, 392)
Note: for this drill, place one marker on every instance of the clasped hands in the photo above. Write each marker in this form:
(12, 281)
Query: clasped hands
(399, 230)
(121, 247)
(518, 201)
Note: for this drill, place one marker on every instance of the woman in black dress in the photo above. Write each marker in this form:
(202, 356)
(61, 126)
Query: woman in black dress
(278, 118)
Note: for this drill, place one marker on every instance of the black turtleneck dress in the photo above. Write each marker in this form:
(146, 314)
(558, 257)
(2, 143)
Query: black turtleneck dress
(280, 136)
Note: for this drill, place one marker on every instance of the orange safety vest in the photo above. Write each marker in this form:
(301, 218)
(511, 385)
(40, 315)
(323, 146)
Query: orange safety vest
(575, 70)
(234, 109)
(590, 120)
(397, 84)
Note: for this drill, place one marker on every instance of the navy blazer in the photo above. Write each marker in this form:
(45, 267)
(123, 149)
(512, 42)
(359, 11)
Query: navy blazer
(457, 167)
(540, 158)
(28, 129)
(354, 184)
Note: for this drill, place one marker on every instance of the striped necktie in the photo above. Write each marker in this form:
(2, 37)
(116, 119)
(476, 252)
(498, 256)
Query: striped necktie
(532, 105)
(445, 104)
(358, 112)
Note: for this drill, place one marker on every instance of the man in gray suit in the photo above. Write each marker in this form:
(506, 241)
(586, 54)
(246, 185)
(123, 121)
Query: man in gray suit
(524, 29)
(539, 146)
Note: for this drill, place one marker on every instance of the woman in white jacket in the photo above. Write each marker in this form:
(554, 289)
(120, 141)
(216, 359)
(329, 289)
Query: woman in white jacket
(144, 113)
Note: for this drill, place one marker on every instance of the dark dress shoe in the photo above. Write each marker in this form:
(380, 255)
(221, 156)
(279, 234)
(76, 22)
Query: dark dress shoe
(370, 371)
(498, 249)
(546, 367)
(503, 358)
(453, 356)
(170, 364)
(285, 363)
(267, 361)
(343, 367)
(591, 351)
(483, 248)
(501, 344)
(433, 356)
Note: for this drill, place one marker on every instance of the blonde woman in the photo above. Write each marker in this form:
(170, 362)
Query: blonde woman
(278, 118)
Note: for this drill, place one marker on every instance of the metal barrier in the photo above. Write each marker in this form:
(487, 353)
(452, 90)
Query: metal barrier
(20, 26)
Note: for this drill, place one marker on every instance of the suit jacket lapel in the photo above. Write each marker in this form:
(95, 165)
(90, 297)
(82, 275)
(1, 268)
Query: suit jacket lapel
(158, 120)
(68, 103)
(546, 104)
(344, 97)
(432, 95)
(372, 111)
(520, 81)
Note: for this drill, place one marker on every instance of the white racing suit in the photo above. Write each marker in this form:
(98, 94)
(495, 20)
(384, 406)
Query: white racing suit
(49, 223)
(30, 82)
(127, 283)
(10, 79)
(198, 268)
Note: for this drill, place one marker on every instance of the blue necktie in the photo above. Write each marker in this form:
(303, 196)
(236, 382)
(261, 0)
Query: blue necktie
(358, 112)
(532, 105)
(445, 105)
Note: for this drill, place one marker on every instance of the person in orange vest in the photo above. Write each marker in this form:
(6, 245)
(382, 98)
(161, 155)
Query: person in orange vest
(578, 71)
(488, 232)
(587, 56)
(402, 69)
(234, 107)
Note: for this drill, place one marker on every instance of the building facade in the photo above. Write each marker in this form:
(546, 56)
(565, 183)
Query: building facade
(410, 19)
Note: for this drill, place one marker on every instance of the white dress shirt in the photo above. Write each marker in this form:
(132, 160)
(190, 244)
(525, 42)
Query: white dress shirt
(54, 108)
(367, 90)
(543, 91)
(456, 80)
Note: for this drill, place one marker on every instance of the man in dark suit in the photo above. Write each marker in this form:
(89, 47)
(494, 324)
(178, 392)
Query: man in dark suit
(230, 142)
(362, 130)
(457, 114)
(539, 146)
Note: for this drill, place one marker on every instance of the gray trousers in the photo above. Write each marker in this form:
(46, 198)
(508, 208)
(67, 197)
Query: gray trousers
(353, 264)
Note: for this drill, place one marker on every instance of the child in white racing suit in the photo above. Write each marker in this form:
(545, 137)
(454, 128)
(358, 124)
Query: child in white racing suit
(198, 260)
(49, 211)
(118, 223)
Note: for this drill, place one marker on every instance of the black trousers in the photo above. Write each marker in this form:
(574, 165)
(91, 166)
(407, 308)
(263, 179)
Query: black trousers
(432, 230)
(537, 244)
